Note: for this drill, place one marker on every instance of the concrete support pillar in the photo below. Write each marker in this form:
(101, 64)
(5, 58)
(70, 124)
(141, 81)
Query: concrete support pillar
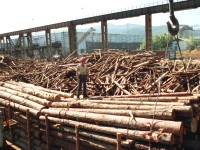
(30, 44)
(104, 35)
(72, 38)
(24, 42)
(4, 44)
(21, 46)
(8, 44)
(24, 45)
(21, 41)
(148, 29)
(29, 40)
(48, 42)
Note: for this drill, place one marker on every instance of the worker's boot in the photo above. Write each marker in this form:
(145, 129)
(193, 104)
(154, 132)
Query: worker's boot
(78, 95)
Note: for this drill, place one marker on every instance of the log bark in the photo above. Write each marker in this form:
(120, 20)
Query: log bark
(90, 138)
(147, 146)
(33, 91)
(118, 85)
(63, 94)
(181, 110)
(60, 144)
(27, 96)
(120, 121)
(91, 134)
(158, 114)
(20, 100)
(141, 99)
(19, 107)
(90, 143)
(66, 104)
(20, 142)
(154, 136)
(193, 98)
(186, 111)
(136, 103)
(154, 94)
(158, 80)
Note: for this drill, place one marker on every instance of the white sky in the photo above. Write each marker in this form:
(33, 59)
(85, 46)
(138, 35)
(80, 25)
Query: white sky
(23, 14)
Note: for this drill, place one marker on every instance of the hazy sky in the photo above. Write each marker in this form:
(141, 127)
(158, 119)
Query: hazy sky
(24, 14)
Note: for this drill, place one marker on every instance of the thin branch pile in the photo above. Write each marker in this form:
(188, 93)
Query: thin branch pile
(110, 73)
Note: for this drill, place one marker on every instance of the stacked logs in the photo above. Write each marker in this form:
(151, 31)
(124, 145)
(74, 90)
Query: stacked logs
(48, 119)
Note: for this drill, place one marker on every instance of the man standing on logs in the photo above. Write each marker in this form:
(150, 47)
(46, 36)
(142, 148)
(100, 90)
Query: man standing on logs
(82, 77)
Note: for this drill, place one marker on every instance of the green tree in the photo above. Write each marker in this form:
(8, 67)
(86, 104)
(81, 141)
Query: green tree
(159, 42)
(143, 45)
(192, 43)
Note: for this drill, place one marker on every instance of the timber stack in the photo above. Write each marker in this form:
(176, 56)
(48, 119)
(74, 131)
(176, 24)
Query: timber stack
(137, 102)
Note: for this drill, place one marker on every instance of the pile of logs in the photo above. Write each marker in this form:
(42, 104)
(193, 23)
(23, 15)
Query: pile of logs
(40, 118)
(109, 73)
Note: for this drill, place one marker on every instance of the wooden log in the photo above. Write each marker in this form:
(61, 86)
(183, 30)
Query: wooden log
(121, 121)
(168, 114)
(23, 119)
(91, 134)
(67, 143)
(181, 110)
(150, 146)
(136, 68)
(118, 85)
(66, 104)
(154, 136)
(38, 144)
(136, 103)
(19, 107)
(57, 136)
(141, 99)
(20, 142)
(103, 64)
(154, 94)
(192, 98)
(20, 100)
(127, 106)
(67, 99)
(63, 94)
(33, 91)
(20, 134)
(35, 133)
(158, 80)
(27, 96)
(47, 131)
(89, 138)
(20, 118)
(84, 134)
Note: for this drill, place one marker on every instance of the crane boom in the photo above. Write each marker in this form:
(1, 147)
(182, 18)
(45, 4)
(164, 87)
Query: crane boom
(85, 35)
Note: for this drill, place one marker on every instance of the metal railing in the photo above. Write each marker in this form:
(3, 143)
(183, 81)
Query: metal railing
(128, 8)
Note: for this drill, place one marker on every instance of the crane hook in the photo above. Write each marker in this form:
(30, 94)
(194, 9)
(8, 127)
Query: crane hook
(174, 27)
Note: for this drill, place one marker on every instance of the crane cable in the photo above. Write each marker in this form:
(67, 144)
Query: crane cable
(177, 42)
(173, 29)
